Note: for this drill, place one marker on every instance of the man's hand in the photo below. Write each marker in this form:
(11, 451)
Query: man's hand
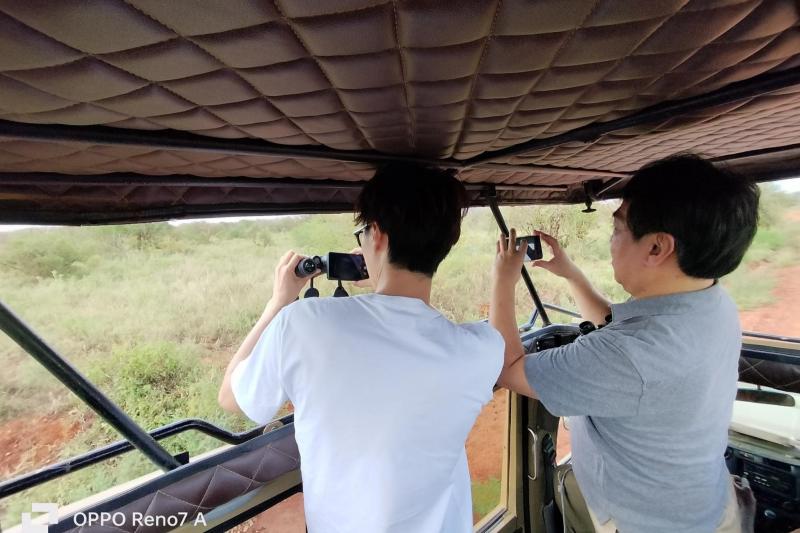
(592, 305)
(507, 267)
(560, 265)
(287, 285)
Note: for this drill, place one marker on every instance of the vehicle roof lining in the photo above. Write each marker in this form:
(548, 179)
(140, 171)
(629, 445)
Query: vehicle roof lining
(183, 113)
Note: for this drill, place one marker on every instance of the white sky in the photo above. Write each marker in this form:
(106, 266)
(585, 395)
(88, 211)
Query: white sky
(790, 185)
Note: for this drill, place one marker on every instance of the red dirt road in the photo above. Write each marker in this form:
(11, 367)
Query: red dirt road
(783, 315)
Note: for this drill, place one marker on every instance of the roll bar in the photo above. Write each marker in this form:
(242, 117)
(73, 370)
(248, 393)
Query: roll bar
(490, 193)
(67, 374)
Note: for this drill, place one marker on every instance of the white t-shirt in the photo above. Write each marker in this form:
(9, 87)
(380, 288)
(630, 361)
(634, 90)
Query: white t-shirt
(385, 391)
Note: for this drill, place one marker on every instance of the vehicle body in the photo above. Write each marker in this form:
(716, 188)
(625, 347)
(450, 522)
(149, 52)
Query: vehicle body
(140, 111)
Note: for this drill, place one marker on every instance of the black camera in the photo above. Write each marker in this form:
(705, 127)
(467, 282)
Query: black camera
(338, 266)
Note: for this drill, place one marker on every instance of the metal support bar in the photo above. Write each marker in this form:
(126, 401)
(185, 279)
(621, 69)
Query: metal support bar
(749, 88)
(158, 214)
(529, 324)
(563, 310)
(491, 198)
(549, 169)
(770, 336)
(755, 153)
(127, 179)
(25, 337)
(611, 184)
(180, 140)
(48, 473)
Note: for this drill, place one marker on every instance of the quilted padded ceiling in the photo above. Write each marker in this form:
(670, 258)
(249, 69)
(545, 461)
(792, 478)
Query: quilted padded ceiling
(445, 81)
(771, 120)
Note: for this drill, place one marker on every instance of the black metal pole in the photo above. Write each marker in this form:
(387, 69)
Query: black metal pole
(181, 140)
(127, 179)
(491, 198)
(26, 338)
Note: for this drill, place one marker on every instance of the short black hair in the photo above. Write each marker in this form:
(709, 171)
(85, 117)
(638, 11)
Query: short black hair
(420, 208)
(711, 213)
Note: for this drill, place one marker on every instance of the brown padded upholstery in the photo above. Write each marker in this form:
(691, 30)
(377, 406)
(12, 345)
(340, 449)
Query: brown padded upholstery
(212, 486)
(783, 376)
(753, 124)
(443, 78)
(444, 81)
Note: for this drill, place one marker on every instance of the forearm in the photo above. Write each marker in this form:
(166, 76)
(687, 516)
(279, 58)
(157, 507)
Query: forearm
(592, 305)
(226, 398)
(502, 316)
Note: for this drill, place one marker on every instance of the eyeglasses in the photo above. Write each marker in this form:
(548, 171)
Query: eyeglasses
(357, 233)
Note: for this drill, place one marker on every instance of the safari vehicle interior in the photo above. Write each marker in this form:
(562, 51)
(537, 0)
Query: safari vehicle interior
(123, 112)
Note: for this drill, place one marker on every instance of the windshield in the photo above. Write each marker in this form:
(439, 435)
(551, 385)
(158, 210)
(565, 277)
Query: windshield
(152, 313)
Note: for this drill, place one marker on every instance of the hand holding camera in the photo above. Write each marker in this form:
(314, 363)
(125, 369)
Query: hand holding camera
(560, 264)
(286, 285)
(338, 266)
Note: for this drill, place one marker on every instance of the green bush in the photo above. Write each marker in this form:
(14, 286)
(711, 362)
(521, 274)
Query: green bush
(159, 383)
(54, 254)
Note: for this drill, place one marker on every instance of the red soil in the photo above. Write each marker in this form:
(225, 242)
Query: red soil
(783, 315)
(29, 443)
(286, 517)
(485, 443)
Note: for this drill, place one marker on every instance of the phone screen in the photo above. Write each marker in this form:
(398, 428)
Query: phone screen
(534, 246)
(346, 267)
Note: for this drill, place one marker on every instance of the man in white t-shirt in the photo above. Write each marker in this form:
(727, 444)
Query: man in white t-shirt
(385, 388)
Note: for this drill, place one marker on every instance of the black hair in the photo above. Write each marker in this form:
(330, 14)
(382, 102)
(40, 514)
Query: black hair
(711, 213)
(420, 208)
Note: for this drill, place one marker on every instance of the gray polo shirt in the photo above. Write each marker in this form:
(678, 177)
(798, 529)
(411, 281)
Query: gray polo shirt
(650, 398)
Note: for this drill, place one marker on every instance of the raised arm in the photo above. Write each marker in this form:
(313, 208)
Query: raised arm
(502, 313)
(285, 289)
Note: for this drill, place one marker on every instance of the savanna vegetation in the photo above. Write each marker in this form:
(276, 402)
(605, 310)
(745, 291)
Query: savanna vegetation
(151, 313)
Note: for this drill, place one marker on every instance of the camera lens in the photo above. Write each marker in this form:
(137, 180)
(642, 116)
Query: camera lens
(306, 267)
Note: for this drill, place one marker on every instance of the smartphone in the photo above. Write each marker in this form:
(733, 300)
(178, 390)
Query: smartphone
(346, 267)
(534, 246)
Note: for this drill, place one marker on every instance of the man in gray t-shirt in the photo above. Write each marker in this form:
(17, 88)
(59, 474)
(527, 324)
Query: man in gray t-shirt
(650, 395)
